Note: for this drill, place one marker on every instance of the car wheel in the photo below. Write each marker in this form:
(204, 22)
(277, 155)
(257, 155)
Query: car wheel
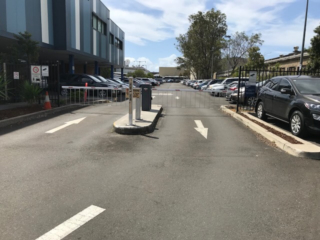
(64, 92)
(297, 124)
(102, 93)
(260, 111)
(251, 102)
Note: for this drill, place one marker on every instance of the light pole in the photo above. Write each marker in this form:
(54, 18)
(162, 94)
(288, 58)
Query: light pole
(304, 36)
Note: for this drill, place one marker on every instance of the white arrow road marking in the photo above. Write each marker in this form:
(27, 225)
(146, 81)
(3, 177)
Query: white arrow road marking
(72, 224)
(67, 124)
(201, 129)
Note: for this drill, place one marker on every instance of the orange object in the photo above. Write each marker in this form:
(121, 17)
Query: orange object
(47, 104)
(85, 93)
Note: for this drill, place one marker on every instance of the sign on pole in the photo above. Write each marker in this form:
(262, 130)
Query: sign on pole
(136, 93)
(253, 77)
(16, 75)
(45, 71)
(35, 73)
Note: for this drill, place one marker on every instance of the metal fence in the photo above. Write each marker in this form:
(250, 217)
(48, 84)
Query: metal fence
(16, 74)
(247, 96)
(93, 95)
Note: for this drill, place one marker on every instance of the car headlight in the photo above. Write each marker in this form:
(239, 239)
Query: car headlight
(312, 106)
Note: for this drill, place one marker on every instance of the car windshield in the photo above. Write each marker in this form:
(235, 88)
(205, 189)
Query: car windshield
(102, 79)
(95, 79)
(308, 86)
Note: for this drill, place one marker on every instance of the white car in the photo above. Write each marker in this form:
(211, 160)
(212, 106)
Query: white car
(216, 88)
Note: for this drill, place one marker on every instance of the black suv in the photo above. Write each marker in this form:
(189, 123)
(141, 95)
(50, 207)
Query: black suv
(292, 99)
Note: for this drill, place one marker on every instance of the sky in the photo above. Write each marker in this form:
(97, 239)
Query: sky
(151, 26)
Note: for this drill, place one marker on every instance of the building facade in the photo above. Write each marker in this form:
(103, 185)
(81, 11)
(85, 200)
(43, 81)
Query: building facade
(289, 62)
(78, 33)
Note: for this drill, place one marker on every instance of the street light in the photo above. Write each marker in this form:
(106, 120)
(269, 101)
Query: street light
(304, 36)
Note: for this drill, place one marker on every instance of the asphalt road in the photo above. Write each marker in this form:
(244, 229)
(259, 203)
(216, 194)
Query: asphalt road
(171, 184)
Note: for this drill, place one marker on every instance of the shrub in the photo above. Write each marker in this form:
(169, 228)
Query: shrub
(30, 92)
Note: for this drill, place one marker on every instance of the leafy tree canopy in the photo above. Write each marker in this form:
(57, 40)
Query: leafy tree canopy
(255, 58)
(202, 44)
(314, 51)
(238, 47)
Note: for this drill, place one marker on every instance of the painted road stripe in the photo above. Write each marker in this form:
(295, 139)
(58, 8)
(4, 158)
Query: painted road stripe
(72, 224)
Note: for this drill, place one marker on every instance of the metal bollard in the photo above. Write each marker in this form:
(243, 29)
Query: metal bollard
(138, 106)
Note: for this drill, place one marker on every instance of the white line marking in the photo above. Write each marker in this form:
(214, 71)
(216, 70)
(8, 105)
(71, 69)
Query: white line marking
(177, 98)
(163, 94)
(73, 223)
(66, 125)
(201, 129)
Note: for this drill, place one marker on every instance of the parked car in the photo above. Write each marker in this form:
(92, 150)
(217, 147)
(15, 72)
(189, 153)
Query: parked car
(211, 82)
(204, 83)
(197, 83)
(292, 99)
(113, 83)
(216, 88)
(81, 79)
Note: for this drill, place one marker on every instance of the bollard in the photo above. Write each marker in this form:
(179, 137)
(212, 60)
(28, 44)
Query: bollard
(138, 106)
(130, 100)
(85, 93)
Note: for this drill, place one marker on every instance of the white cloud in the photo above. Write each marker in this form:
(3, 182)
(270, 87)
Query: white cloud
(140, 26)
(265, 17)
(153, 67)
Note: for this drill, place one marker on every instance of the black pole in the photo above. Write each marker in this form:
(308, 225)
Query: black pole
(304, 36)
(239, 89)
(58, 78)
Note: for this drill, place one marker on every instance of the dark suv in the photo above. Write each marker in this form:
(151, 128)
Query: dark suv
(292, 99)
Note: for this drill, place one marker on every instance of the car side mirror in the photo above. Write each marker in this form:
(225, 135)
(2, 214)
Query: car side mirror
(286, 91)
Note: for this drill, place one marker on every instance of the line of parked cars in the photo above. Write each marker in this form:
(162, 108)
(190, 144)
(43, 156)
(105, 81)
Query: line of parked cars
(80, 80)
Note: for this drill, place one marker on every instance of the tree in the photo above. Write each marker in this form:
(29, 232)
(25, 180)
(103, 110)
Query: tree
(238, 46)
(255, 58)
(139, 73)
(314, 51)
(201, 46)
(24, 48)
(150, 75)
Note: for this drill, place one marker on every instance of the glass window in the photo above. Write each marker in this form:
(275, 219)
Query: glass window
(111, 39)
(94, 22)
(284, 84)
(99, 26)
(274, 83)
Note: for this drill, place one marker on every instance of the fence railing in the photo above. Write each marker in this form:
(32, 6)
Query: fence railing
(247, 102)
(92, 95)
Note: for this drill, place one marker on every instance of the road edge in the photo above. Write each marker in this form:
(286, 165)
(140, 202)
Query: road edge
(292, 149)
(37, 115)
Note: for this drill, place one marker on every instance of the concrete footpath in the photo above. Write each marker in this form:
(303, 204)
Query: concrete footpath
(303, 149)
(146, 124)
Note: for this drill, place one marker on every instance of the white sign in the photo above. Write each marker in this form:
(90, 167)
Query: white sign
(253, 77)
(15, 75)
(45, 71)
(35, 74)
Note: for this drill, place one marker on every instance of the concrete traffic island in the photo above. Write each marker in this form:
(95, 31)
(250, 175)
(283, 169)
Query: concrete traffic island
(146, 124)
(302, 148)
